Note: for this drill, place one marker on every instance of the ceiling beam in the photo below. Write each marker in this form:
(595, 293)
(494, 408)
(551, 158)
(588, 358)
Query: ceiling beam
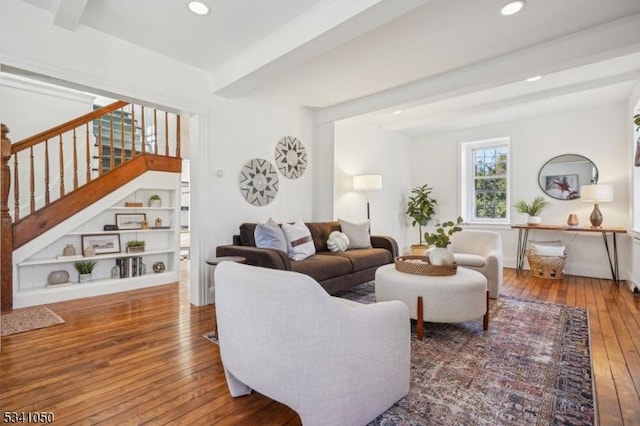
(320, 30)
(597, 44)
(68, 13)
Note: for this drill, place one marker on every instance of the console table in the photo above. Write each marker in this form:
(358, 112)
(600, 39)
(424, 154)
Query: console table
(523, 236)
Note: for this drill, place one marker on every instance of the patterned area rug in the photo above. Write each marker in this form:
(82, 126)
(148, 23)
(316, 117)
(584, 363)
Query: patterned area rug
(532, 367)
(29, 319)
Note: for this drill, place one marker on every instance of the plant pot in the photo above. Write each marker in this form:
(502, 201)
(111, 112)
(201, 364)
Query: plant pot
(534, 220)
(135, 249)
(441, 256)
(419, 250)
(84, 278)
(155, 203)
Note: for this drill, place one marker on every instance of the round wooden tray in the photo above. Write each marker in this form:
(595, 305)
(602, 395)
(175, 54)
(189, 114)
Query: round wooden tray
(420, 265)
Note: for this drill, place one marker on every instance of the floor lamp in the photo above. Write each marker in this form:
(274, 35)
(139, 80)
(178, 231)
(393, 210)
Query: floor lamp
(367, 183)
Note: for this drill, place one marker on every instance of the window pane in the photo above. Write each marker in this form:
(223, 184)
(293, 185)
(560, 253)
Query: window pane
(489, 187)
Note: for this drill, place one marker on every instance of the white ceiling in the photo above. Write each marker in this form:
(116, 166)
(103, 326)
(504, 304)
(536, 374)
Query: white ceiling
(446, 63)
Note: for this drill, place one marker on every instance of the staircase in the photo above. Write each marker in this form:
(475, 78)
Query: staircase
(56, 173)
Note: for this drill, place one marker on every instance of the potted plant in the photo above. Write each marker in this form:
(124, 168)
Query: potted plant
(440, 254)
(533, 210)
(135, 246)
(85, 268)
(421, 208)
(155, 201)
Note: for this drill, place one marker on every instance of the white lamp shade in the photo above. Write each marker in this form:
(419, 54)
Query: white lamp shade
(367, 182)
(596, 193)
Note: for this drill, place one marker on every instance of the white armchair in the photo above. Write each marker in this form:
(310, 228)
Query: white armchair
(480, 251)
(333, 361)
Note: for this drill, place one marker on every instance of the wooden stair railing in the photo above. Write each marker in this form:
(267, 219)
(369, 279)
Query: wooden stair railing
(122, 148)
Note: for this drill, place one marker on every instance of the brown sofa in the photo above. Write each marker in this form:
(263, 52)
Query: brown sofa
(334, 271)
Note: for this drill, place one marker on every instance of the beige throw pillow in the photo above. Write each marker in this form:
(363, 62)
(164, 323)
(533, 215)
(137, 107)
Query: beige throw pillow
(357, 233)
(299, 241)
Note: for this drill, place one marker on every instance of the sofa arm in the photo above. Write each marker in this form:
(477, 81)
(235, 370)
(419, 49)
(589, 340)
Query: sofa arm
(267, 258)
(389, 243)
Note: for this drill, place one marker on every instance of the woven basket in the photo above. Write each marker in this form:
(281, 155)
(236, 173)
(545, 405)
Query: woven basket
(546, 266)
(419, 265)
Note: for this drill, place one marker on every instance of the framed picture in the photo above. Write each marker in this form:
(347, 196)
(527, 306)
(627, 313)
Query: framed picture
(102, 243)
(562, 187)
(130, 220)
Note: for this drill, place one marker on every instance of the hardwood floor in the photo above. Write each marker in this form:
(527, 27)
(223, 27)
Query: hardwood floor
(139, 357)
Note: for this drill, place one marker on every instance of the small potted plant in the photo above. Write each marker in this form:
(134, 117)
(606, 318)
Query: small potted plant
(421, 208)
(533, 210)
(135, 246)
(85, 268)
(440, 254)
(155, 201)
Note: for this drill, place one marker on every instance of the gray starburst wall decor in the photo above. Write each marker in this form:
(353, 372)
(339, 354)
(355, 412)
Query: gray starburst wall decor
(258, 182)
(291, 157)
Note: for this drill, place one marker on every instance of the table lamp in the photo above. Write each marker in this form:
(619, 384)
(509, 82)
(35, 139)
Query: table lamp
(367, 183)
(596, 194)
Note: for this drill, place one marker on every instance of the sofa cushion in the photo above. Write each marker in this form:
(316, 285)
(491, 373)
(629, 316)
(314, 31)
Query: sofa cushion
(362, 259)
(323, 266)
(247, 231)
(358, 233)
(270, 235)
(320, 232)
(299, 241)
(464, 259)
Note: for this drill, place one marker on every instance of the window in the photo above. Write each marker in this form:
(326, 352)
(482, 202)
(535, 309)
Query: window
(485, 181)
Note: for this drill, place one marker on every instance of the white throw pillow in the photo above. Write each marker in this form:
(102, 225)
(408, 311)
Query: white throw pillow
(270, 235)
(299, 241)
(358, 233)
(545, 250)
(337, 242)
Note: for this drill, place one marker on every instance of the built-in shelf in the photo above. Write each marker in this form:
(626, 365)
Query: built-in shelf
(95, 283)
(123, 231)
(99, 257)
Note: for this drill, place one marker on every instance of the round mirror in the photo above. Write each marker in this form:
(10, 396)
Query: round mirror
(562, 176)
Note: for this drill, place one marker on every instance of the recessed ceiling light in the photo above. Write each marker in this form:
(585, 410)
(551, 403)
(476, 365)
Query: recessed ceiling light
(198, 7)
(534, 78)
(399, 111)
(513, 7)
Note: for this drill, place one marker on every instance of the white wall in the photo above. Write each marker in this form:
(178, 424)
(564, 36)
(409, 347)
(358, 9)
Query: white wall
(241, 130)
(600, 134)
(364, 149)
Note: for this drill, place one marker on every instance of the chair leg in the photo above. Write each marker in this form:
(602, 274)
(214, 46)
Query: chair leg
(485, 319)
(420, 320)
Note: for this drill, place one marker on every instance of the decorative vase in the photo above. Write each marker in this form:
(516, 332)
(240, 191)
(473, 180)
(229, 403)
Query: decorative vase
(69, 250)
(441, 256)
(58, 277)
(419, 250)
(572, 220)
(89, 252)
(534, 220)
(84, 278)
(115, 272)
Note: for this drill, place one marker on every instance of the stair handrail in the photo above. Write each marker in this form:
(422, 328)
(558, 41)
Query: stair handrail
(66, 127)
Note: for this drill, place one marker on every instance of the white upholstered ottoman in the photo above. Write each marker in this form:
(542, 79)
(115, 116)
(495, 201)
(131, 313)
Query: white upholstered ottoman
(451, 298)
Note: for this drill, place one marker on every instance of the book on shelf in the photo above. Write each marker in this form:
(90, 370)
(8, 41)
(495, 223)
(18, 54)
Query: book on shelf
(130, 266)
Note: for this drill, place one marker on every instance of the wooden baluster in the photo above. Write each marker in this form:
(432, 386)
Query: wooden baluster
(46, 172)
(100, 150)
(61, 164)
(178, 135)
(6, 227)
(166, 133)
(87, 153)
(112, 159)
(16, 188)
(144, 136)
(32, 184)
(123, 153)
(75, 161)
(155, 131)
(134, 151)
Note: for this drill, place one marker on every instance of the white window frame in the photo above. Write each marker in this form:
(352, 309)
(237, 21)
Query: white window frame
(467, 192)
